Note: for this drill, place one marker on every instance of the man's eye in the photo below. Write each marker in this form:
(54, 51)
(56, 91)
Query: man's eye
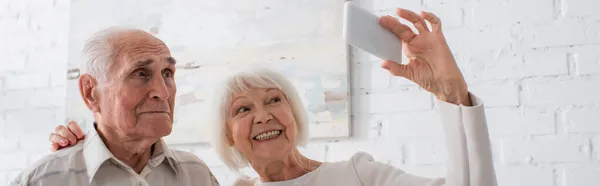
(141, 73)
(167, 74)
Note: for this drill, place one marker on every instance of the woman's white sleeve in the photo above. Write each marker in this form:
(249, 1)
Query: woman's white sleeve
(468, 146)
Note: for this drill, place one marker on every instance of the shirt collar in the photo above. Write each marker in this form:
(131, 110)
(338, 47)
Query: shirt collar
(162, 152)
(95, 153)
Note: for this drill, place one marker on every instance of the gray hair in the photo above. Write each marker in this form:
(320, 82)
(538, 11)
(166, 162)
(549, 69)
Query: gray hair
(241, 82)
(99, 52)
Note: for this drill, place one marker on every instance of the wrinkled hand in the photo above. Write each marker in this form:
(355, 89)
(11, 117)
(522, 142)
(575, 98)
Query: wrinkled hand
(66, 136)
(431, 63)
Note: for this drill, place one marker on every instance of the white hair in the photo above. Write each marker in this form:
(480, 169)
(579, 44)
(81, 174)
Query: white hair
(99, 52)
(241, 82)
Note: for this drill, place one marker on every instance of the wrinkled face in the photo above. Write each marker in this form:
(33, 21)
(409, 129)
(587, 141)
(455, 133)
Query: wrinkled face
(139, 94)
(261, 123)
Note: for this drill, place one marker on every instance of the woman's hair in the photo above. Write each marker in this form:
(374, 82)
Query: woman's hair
(244, 81)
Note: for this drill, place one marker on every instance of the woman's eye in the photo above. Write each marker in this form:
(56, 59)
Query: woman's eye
(242, 109)
(275, 99)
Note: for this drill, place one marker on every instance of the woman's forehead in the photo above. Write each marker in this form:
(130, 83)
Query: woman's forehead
(251, 91)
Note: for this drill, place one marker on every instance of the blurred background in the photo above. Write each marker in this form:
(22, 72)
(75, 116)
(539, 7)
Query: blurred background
(535, 63)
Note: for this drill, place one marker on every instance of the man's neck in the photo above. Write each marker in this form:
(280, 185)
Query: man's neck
(133, 152)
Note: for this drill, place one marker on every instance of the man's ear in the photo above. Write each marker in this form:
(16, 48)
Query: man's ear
(88, 88)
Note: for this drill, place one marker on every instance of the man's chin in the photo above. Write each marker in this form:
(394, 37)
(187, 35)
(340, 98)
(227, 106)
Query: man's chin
(157, 129)
(166, 132)
(154, 134)
(163, 130)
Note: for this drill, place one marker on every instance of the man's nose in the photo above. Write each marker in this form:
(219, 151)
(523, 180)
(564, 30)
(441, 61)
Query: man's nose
(158, 89)
(262, 116)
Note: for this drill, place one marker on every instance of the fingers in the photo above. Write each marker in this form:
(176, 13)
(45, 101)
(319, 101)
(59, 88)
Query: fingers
(75, 129)
(54, 147)
(436, 24)
(400, 30)
(65, 136)
(414, 18)
(64, 132)
(396, 69)
(58, 140)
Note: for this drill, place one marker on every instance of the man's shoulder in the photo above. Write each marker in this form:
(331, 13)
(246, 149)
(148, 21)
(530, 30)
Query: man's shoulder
(62, 158)
(184, 157)
(68, 159)
(193, 167)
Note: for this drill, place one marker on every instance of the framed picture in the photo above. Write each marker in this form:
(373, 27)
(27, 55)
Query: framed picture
(209, 39)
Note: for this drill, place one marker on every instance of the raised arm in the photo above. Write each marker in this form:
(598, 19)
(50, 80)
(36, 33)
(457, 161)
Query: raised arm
(468, 147)
(468, 144)
(432, 66)
(481, 166)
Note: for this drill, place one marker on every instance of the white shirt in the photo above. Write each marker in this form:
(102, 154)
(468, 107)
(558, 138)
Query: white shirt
(91, 163)
(469, 158)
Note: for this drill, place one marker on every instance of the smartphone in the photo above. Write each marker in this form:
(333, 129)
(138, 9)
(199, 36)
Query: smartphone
(361, 29)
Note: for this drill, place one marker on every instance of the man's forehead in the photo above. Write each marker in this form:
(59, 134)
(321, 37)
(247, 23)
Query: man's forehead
(125, 64)
(139, 48)
(136, 36)
(149, 61)
(139, 41)
(137, 55)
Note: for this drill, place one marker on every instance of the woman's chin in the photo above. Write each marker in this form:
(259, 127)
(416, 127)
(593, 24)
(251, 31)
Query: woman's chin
(273, 147)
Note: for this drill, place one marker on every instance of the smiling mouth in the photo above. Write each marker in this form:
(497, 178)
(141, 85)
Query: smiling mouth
(267, 135)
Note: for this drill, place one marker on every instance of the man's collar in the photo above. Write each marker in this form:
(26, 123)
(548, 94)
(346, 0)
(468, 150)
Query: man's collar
(95, 153)
(162, 152)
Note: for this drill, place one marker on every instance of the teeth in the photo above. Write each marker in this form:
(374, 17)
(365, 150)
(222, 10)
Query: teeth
(268, 135)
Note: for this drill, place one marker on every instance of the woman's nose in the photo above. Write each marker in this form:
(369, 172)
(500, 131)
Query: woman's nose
(262, 116)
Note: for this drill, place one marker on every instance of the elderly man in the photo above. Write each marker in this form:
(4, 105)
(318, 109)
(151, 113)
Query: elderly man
(128, 83)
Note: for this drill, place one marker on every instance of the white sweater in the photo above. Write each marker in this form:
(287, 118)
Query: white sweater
(469, 158)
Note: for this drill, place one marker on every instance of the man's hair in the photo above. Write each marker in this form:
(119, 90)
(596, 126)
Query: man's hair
(99, 52)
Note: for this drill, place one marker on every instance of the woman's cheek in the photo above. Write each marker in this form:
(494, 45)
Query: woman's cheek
(242, 130)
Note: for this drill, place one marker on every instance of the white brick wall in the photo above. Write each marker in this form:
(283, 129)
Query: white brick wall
(404, 99)
(582, 120)
(524, 175)
(581, 175)
(497, 93)
(536, 64)
(588, 60)
(580, 8)
(33, 37)
(546, 149)
(504, 122)
(559, 91)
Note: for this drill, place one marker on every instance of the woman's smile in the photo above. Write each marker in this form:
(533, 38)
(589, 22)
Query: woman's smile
(268, 135)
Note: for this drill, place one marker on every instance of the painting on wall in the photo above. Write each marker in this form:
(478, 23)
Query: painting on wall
(210, 39)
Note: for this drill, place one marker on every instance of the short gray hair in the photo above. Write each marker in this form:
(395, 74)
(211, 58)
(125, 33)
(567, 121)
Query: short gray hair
(99, 52)
(241, 82)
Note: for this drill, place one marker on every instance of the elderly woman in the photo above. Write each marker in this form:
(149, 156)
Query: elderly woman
(260, 121)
